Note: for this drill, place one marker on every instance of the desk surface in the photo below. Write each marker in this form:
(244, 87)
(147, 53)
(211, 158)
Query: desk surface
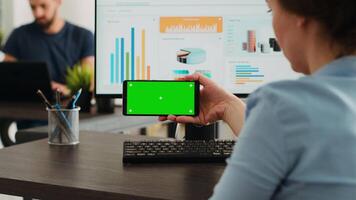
(32, 111)
(92, 121)
(23, 110)
(94, 170)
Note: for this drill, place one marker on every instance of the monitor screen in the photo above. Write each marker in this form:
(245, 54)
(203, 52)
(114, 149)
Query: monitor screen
(230, 41)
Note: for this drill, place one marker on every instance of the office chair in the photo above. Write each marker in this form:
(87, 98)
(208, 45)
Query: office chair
(11, 135)
(8, 129)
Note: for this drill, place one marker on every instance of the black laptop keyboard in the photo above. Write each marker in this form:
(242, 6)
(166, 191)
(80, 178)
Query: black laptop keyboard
(178, 151)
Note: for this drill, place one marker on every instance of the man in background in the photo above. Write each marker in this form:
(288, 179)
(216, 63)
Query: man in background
(49, 39)
(53, 40)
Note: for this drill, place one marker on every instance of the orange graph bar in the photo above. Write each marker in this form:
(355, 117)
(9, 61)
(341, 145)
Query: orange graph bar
(143, 35)
(248, 81)
(138, 68)
(148, 72)
(191, 24)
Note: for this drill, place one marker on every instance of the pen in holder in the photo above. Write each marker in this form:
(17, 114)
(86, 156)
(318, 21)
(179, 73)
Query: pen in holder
(63, 126)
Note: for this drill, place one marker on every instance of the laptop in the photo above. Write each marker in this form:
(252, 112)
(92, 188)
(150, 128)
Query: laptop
(19, 81)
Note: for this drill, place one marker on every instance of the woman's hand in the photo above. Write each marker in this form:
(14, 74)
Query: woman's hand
(215, 104)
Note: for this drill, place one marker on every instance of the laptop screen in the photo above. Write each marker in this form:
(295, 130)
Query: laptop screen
(19, 81)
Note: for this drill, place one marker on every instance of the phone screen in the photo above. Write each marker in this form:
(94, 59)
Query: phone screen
(159, 98)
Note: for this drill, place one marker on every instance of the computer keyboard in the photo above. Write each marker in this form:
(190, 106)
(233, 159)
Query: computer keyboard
(177, 151)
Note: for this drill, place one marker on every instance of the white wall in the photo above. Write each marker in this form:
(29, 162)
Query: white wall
(80, 12)
(6, 16)
(18, 12)
(21, 12)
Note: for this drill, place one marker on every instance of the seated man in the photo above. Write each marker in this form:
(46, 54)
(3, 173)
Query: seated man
(51, 39)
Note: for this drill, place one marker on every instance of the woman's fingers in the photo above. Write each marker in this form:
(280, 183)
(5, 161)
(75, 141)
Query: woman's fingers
(181, 119)
(162, 118)
(200, 78)
(187, 119)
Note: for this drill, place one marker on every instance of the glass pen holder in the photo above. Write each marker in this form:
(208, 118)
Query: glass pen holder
(63, 126)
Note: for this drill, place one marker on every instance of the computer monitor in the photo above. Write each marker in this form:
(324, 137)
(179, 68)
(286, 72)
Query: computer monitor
(230, 41)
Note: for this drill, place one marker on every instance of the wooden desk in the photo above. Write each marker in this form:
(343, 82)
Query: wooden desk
(94, 170)
(93, 121)
(88, 121)
(37, 111)
(22, 111)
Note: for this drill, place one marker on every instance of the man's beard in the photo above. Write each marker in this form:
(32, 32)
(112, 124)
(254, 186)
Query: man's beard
(47, 24)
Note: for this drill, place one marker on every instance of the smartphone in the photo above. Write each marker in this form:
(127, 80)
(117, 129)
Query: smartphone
(160, 98)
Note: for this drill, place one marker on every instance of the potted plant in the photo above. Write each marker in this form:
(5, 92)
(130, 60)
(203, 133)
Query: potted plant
(80, 77)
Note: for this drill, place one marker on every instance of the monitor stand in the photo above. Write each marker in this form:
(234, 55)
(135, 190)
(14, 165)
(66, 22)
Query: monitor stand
(194, 132)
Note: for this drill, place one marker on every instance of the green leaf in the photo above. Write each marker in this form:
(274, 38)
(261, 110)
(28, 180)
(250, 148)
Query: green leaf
(78, 77)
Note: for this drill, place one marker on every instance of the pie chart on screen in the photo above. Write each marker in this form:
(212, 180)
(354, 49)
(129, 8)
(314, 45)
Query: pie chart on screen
(191, 56)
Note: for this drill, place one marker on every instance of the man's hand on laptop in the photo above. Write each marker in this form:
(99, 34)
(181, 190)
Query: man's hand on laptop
(61, 87)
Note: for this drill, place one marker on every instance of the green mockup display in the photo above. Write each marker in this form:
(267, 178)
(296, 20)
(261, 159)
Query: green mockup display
(159, 98)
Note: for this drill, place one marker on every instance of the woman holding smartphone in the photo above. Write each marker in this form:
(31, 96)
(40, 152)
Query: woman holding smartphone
(296, 139)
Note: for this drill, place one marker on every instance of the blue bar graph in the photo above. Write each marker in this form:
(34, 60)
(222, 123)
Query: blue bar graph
(244, 70)
(117, 60)
(112, 69)
(122, 59)
(132, 53)
(251, 76)
(246, 67)
(248, 74)
(124, 62)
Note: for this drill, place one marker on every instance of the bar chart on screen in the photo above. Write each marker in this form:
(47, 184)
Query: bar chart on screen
(246, 73)
(127, 62)
(249, 36)
(127, 49)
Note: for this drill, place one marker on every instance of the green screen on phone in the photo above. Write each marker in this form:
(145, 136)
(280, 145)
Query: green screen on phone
(160, 97)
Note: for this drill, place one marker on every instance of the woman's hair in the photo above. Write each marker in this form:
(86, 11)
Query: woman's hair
(338, 17)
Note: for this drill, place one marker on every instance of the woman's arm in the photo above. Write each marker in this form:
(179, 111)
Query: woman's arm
(258, 164)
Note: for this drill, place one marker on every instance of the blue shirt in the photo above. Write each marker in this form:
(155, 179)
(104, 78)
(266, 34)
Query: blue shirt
(61, 50)
(298, 141)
